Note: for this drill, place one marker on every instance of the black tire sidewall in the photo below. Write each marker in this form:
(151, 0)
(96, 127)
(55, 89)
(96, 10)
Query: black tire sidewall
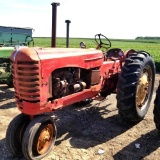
(13, 144)
(156, 110)
(30, 136)
(148, 62)
(128, 83)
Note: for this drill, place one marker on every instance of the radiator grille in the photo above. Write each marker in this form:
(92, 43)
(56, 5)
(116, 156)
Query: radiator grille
(26, 80)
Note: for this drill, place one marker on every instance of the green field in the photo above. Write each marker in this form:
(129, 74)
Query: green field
(5, 52)
(149, 45)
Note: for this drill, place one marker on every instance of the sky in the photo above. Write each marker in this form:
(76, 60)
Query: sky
(121, 19)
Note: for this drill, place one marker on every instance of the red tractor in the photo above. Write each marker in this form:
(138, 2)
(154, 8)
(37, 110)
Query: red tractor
(46, 79)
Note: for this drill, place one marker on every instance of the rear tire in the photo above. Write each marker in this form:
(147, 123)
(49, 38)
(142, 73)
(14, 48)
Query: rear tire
(156, 110)
(135, 86)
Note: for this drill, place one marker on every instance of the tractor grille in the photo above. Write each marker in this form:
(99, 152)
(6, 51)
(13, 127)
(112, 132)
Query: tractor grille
(26, 80)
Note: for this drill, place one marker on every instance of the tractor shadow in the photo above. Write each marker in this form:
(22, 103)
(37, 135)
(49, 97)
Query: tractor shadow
(6, 94)
(5, 155)
(88, 126)
(8, 105)
(148, 142)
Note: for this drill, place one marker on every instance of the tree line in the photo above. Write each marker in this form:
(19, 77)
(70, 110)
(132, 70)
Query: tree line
(147, 37)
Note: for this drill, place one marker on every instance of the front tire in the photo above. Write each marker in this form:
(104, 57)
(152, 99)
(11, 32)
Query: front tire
(135, 86)
(39, 138)
(14, 134)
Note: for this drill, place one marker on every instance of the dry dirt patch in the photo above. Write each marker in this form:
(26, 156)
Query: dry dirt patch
(91, 132)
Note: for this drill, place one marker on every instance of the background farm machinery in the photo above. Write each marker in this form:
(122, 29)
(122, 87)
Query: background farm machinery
(10, 38)
(5, 68)
(47, 79)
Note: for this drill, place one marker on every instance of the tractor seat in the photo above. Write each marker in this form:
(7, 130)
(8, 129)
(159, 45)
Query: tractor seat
(114, 54)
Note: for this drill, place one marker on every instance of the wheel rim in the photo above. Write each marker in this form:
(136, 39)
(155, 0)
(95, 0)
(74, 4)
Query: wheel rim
(144, 87)
(29, 40)
(45, 139)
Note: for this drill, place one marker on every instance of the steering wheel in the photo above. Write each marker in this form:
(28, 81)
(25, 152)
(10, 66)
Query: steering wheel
(101, 44)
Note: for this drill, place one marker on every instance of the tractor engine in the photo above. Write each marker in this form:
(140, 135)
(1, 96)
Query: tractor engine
(69, 80)
(66, 81)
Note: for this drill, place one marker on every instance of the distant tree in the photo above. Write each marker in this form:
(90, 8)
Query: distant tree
(146, 37)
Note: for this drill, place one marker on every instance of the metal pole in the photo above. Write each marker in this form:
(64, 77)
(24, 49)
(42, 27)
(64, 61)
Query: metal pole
(54, 19)
(67, 33)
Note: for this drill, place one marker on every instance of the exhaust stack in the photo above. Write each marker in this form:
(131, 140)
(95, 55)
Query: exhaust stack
(54, 23)
(67, 32)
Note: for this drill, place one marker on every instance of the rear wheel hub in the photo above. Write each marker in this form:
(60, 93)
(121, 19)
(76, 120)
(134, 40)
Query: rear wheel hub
(143, 87)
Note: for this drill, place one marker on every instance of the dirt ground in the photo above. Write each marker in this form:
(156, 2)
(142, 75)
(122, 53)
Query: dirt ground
(91, 132)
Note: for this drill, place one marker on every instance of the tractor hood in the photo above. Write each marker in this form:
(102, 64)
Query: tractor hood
(47, 53)
(52, 54)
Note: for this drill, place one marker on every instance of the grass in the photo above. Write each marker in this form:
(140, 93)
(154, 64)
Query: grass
(149, 45)
(5, 52)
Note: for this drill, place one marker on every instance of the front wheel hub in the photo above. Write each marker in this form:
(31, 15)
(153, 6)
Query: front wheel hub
(45, 139)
